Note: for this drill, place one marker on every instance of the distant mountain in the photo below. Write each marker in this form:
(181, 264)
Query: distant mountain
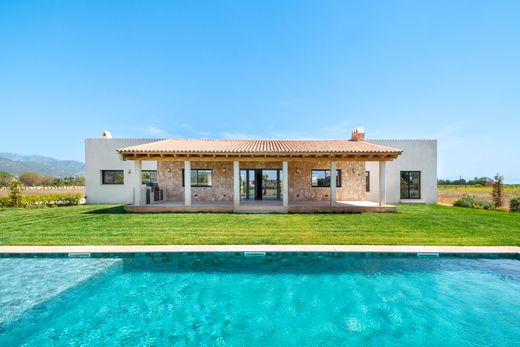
(16, 163)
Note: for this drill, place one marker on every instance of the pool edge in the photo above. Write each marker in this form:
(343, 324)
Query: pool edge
(511, 250)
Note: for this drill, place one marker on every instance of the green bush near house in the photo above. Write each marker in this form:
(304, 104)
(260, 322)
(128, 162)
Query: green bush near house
(514, 204)
(470, 202)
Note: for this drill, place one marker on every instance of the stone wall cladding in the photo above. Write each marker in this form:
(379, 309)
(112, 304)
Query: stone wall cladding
(221, 179)
(300, 189)
(352, 181)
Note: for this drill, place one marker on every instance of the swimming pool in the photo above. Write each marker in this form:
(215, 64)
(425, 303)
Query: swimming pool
(276, 299)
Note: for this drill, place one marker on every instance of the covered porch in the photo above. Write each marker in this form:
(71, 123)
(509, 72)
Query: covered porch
(260, 176)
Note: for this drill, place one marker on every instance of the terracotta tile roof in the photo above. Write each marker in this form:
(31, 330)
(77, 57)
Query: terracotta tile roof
(183, 146)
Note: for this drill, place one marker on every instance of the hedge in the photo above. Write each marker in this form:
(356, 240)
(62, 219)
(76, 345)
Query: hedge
(50, 200)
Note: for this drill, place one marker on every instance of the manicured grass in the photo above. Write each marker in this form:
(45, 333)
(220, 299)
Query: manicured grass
(110, 225)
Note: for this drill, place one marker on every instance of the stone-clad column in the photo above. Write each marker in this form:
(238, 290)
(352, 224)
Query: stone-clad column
(236, 183)
(333, 175)
(285, 183)
(187, 183)
(382, 183)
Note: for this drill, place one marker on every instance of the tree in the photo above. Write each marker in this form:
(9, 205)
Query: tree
(74, 181)
(15, 192)
(5, 178)
(498, 191)
(33, 179)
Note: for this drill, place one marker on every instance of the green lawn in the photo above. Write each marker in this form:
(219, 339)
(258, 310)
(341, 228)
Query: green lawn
(412, 225)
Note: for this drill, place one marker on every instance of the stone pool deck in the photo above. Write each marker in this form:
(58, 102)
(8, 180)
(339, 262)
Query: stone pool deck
(261, 248)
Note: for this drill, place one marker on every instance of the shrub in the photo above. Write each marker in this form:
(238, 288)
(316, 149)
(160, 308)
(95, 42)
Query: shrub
(486, 205)
(466, 201)
(470, 202)
(498, 191)
(5, 201)
(514, 204)
(15, 192)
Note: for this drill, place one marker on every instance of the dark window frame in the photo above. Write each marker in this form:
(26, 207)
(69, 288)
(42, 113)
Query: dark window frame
(367, 181)
(149, 171)
(408, 183)
(114, 172)
(197, 185)
(248, 179)
(338, 178)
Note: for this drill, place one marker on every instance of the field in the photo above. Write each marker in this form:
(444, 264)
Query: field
(110, 225)
(447, 194)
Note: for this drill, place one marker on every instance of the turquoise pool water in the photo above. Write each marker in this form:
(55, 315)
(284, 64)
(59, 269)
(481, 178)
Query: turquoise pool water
(279, 299)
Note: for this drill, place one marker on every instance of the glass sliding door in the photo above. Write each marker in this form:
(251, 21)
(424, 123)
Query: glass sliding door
(410, 184)
(243, 185)
(260, 184)
(271, 184)
(247, 184)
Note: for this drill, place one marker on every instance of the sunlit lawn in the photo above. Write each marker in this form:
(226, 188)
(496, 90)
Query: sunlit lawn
(101, 224)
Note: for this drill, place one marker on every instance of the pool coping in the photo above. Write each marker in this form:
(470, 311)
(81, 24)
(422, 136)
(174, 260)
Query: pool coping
(259, 248)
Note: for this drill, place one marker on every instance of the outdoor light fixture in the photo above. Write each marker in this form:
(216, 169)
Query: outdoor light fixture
(169, 170)
(129, 171)
(297, 170)
(224, 170)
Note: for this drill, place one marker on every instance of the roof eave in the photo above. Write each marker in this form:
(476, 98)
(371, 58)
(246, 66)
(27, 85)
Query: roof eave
(169, 155)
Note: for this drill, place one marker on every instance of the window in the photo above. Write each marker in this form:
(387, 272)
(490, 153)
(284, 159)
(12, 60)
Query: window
(410, 184)
(199, 177)
(112, 177)
(149, 177)
(321, 178)
(367, 181)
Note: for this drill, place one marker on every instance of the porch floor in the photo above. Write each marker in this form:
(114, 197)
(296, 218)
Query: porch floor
(264, 206)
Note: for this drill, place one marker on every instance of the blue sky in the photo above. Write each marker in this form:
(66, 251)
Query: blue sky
(448, 70)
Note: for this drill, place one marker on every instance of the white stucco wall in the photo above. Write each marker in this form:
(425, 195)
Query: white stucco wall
(100, 154)
(418, 155)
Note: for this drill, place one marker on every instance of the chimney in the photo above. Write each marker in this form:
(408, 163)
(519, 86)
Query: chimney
(106, 134)
(358, 134)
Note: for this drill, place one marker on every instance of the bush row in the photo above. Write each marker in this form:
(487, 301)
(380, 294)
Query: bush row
(51, 200)
(471, 202)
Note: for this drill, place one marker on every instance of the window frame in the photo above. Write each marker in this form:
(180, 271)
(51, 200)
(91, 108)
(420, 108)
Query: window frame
(103, 181)
(197, 175)
(408, 183)
(338, 178)
(149, 171)
(367, 181)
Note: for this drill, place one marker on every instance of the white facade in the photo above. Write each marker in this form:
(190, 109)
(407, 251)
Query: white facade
(100, 154)
(418, 155)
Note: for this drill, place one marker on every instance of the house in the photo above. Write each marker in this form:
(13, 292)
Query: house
(200, 175)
